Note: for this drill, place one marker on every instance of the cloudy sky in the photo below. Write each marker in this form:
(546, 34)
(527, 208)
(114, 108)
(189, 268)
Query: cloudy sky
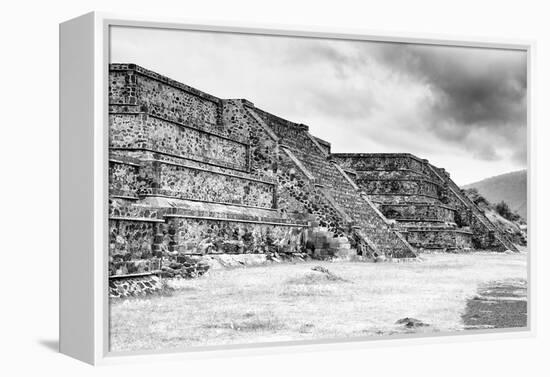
(464, 109)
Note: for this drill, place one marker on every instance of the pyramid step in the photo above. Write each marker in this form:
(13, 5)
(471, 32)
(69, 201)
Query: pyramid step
(439, 239)
(412, 211)
(425, 224)
(325, 244)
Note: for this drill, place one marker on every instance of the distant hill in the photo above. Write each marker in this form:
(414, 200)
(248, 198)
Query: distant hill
(510, 187)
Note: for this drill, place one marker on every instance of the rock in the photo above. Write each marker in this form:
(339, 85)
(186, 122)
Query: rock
(139, 286)
(226, 260)
(328, 274)
(255, 259)
(175, 265)
(380, 258)
(411, 322)
(167, 274)
(320, 269)
(213, 263)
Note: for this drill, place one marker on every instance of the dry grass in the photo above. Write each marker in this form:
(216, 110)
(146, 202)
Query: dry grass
(291, 302)
(251, 325)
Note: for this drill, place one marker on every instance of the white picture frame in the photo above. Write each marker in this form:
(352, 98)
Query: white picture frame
(84, 58)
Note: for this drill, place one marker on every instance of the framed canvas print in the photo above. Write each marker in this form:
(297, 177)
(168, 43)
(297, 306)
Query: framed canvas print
(227, 189)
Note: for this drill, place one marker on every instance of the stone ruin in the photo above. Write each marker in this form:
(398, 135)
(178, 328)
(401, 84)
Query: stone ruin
(194, 179)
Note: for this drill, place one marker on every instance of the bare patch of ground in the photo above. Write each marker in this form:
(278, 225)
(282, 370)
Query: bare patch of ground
(300, 301)
(499, 304)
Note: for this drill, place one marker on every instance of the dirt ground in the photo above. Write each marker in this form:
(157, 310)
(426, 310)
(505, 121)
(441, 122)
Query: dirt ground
(282, 302)
(499, 304)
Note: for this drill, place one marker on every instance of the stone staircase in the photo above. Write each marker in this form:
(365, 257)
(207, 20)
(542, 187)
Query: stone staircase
(326, 245)
(359, 219)
(370, 224)
(331, 226)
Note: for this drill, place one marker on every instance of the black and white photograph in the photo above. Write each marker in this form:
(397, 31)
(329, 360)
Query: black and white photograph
(275, 188)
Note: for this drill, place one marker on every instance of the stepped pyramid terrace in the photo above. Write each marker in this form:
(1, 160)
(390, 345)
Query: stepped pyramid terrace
(193, 176)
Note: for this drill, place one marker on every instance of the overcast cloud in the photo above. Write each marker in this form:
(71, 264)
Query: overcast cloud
(462, 108)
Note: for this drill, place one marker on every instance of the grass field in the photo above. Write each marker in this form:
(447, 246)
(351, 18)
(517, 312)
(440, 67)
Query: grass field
(282, 302)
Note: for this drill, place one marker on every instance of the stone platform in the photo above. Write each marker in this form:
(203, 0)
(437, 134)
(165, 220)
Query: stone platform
(193, 175)
(431, 211)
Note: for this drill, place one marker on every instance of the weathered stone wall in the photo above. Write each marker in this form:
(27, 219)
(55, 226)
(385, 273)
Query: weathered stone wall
(136, 237)
(195, 184)
(290, 134)
(140, 131)
(219, 236)
(133, 238)
(165, 98)
(390, 162)
(399, 186)
(163, 175)
(235, 118)
(404, 174)
(122, 87)
(131, 246)
(128, 131)
(419, 211)
(166, 101)
(196, 144)
(381, 199)
(137, 286)
(145, 239)
(439, 239)
(123, 178)
(264, 150)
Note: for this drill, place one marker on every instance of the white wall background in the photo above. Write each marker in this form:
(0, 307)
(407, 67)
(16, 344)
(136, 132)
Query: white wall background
(29, 184)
